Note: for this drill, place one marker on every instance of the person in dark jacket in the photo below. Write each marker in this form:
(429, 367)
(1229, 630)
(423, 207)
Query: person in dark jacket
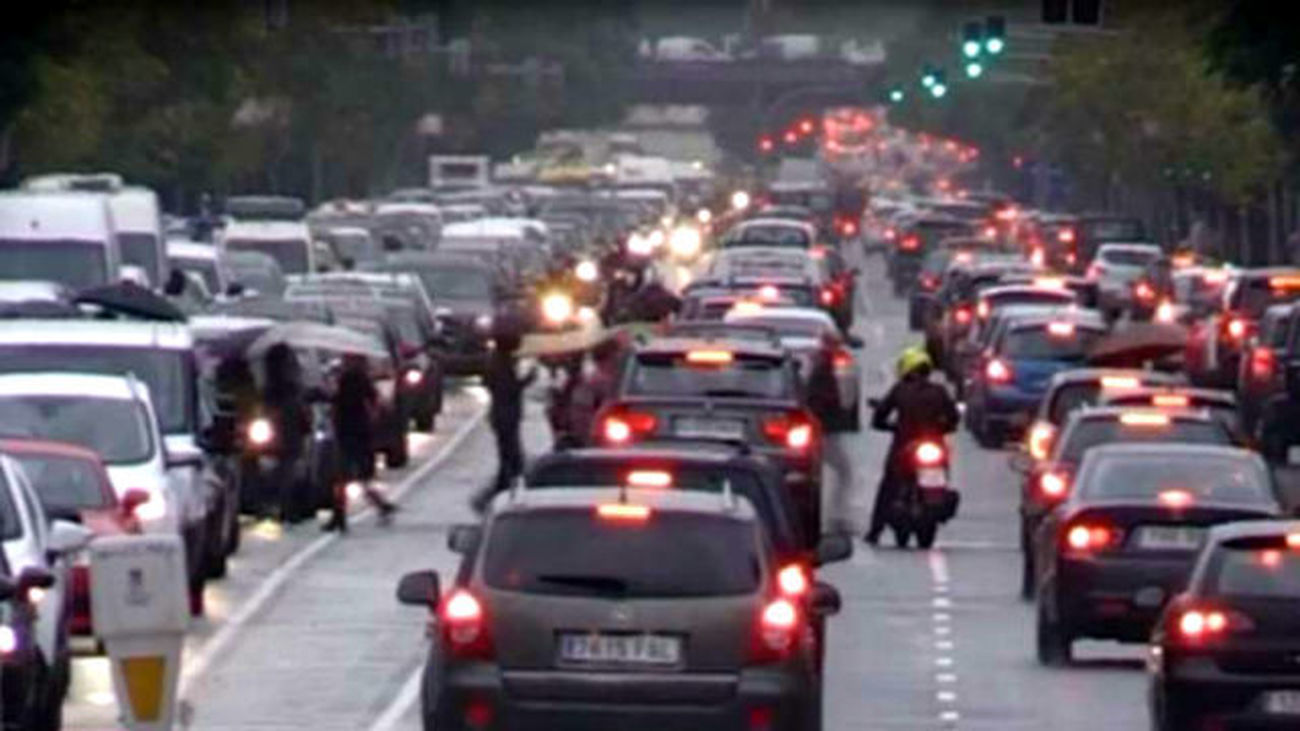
(506, 413)
(354, 406)
(824, 401)
(594, 390)
(914, 408)
(286, 408)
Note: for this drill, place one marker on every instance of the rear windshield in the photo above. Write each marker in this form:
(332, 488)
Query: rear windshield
(1128, 257)
(671, 375)
(1113, 230)
(1040, 343)
(116, 428)
(1088, 433)
(66, 485)
(790, 327)
(290, 254)
(1263, 573)
(1072, 396)
(771, 236)
(1205, 479)
(576, 553)
(1046, 297)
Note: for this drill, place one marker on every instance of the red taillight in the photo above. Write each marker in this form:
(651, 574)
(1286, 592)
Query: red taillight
(997, 371)
(794, 431)
(962, 315)
(1144, 291)
(1053, 485)
(828, 296)
(842, 359)
(890, 234)
(1262, 362)
(623, 512)
(1095, 271)
(848, 228)
(1202, 624)
(910, 243)
(1091, 537)
(464, 626)
(778, 627)
(621, 427)
(1065, 236)
(928, 282)
(1236, 328)
(793, 581)
(929, 454)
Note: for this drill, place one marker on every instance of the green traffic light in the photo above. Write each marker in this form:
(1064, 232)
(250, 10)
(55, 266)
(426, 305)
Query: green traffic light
(995, 45)
(896, 95)
(939, 90)
(971, 49)
(974, 70)
(928, 80)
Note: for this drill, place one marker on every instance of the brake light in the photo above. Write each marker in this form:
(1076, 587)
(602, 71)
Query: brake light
(793, 581)
(710, 357)
(1070, 258)
(990, 232)
(962, 315)
(649, 478)
(929, 454)
(464, 626)
(910, 243)
(620, 427)
(1119, 382)
(828, 296)
(1293, 540)
(997, 371)
(793, 431)
(778, 624)
(1286, 282)
(848, 228)
(623, 512)
(1165, 311)
(842, 360)
(1037, 257)
(1086, 537)
(1200, 624)
(890, 234)
(1054, 485)
(1176, 499)
(1139, 418)
(1065, 236)
(1144, 291)
(1060, 329)
(768, 293)
(928, 281)
(1170, 401)
(983, 309)
(1236, 328)
(1262, 362)
(1040, 439)
(1182, 261)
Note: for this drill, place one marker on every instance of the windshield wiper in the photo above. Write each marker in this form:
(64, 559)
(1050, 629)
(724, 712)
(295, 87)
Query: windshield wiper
(592, 583)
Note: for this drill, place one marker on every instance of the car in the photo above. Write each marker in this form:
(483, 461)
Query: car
(1114, 552)
(956, 252)
(1262, 372)
(1047, 482)
(1223, 651)
(1116, 267)
(1216, 342)
(20, 291)
(289, 243)
(719, 389)
(991, 307)
(803, 331)
(914, 239)
(770, 232)
(679, 587)
(1220, 404)
(200, 260)
(35, 551)
(71, 483)
(956, 297)
(252, 272)
(1011, 377)
(1092, 230)
(62, 237)
(839, 285)
(162, 356)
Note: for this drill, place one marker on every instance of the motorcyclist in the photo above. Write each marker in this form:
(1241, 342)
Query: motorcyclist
(1279, 426)
(286, 406)
(919, 408)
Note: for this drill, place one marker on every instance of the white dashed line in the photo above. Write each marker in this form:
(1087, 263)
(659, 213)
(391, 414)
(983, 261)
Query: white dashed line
(943, 643)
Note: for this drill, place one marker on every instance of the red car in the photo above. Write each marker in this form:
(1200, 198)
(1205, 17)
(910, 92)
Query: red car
(72, 484)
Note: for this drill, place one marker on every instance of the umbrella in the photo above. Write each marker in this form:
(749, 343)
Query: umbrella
(132, 300)
(221, 336)
(1139, 343)
(315, 336)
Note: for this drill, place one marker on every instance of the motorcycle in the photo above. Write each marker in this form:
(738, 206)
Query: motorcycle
(926, 498)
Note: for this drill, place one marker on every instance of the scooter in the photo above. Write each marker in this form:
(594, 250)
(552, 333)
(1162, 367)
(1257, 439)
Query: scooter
(926, 498)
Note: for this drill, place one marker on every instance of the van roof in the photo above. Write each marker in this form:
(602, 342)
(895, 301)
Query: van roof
(185, 249)
(46, 216)
(267, 230)
(135, 209)
(111, 333)
(95, 385)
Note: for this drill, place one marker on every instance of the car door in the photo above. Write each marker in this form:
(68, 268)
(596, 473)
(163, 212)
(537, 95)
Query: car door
(32, 550)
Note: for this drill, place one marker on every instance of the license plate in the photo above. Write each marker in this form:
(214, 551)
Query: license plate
(932, 477)
(1282, 702)
(603, 649)
(708, 428)
(1293, 456)
(1170, 538)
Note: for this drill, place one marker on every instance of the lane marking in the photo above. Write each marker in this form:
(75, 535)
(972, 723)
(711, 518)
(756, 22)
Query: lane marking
(203, 657)
(402, 702)
(938, 567)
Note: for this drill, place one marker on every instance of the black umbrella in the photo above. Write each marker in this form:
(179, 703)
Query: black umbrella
(131, 300)
(1134, 344)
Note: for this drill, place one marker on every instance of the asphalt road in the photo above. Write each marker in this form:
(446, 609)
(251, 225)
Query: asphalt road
(306, 633)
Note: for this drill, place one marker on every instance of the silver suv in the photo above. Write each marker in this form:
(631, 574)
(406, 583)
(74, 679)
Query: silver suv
(619, 608)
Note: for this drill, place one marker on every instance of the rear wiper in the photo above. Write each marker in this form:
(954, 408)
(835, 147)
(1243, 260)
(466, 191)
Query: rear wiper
(597, 584)
(732, 393)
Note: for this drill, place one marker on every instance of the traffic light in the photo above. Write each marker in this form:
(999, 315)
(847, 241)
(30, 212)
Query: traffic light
(896, 95)
(940, 86)
(974, 69)
(765, 144)
(972, 43)
(929, 75)
(995, 34)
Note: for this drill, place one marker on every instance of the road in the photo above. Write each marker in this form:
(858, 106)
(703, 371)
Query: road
(306, 633)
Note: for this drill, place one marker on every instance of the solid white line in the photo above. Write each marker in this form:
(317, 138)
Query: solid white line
(401, 703)
(201, 659)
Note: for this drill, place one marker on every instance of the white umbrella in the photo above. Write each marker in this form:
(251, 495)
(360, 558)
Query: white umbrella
(315, 336)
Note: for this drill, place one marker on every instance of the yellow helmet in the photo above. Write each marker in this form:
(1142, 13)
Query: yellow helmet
(913, 358)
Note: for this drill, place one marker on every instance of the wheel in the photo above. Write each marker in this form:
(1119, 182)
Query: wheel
(424, 421)
(1167, 715)
(986, 435)
(902, 537)
(216, 563)
(57, 680)
(396, 456)
(1027, 576)
(216, 540)
(925, 535)
(813, 713)
(1054, 645)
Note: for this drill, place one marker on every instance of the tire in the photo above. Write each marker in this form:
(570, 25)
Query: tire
(1026, 576)
(1168, 716)
(925, 535)
(425, 421)
(396, 456)
(1054, 645)
(813, 713)
(216, 565)
(57, 681)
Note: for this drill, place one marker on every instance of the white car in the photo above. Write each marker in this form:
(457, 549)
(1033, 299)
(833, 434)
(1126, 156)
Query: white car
(801, 330)
(36, 556)
(1116, 267)
(776, 232)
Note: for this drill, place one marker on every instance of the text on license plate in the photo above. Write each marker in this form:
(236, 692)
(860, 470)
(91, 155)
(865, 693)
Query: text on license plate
(689, 426)
(932, 477)
(1282, 702)
(649, 650)
(1170, 538)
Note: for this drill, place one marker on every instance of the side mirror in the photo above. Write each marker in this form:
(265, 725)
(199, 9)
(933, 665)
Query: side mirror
(825, 600)
(132, 500)
(419, 589)
(853, 341)
(183, 460)
(833, 548)
(1020, 462)
(463, 539)
(67, 537)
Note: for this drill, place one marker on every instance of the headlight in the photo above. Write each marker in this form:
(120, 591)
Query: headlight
(260, 431)
(414, 377)
(587, 271)
(639, 245)
(740, 200)
(656, 238)
(557, 307)
(483, 322)
(704, 215)
(685, 241)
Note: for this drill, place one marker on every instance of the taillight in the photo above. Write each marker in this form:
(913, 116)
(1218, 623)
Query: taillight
(828, 296)
(1236, 328)
(910, 243)
(1065, 236)
(962, 315)
(1262, 362)
(791, 430)
(1037, 257)
(890, 234)
(1040, 439)
(1088, 537)
(842, 359)
(1053, 485)
(793, 581)
(928, 282)
(929, 454)
(997, 371)
(1144, 291)
(621, 427)
(983, 309)
(464, 626)
(1201, 624)
(1095, 271)
(778, 627)
(848, 228)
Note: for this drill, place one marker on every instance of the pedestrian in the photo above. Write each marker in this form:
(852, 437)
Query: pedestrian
(595, 390)
(355, 405)
(506, 412)
(824, 401)
(286, 408)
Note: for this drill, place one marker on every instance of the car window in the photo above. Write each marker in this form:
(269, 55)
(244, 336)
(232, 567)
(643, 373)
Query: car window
(670, 375)
(578, 553)
(65, 485)
(116, 428)
(1041, 343)
(1090, 432)
(1128, 257)
(759, 235)
(1209, 479)
(1255, 572)
(291, 254)
(790, 327)
(1071, 396)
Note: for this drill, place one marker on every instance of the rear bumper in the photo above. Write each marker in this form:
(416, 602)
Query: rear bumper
(1196, 684)
(1010, 407)
(546, 700)
(1117, 598)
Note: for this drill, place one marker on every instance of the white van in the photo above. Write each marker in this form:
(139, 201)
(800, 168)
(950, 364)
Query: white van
(137, 219)
(66, 238)
(288, 242)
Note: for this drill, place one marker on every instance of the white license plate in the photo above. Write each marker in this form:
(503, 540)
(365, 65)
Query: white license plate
(1282, 702)
(1293, 456)
(689, 427)
(932, 477)
(1170, 538)
(645, 650)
